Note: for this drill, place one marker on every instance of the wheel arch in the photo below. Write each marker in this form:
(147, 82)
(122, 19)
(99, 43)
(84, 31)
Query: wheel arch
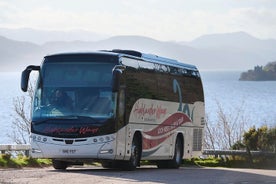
(138, 135)
(180, 135)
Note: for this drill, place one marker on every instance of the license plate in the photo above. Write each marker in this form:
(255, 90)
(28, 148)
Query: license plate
(68, 151)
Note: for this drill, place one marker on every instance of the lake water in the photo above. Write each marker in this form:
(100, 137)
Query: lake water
(257, 100)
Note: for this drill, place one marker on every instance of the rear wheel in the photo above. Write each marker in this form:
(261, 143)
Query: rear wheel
(59, 165)
(177, 158)
(178, 153)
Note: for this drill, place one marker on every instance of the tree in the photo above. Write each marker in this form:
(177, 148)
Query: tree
(263, 139)
(22, 121)
(272, 139)
(227, 130)
(250, 138)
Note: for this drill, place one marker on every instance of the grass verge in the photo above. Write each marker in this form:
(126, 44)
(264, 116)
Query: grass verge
(7, 161)
(233, 162)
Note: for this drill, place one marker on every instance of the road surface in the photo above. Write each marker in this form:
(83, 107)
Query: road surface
(145, 174)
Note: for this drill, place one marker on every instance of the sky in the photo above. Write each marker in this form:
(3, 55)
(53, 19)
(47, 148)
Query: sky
(166, 20)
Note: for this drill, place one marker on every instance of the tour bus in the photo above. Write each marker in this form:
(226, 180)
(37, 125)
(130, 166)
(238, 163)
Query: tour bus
(116, 107)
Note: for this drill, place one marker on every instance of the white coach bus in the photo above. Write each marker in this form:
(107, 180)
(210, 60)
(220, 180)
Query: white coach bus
(115, 107)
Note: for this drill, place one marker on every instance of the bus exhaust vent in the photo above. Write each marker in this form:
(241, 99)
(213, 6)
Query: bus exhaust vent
(197, 139)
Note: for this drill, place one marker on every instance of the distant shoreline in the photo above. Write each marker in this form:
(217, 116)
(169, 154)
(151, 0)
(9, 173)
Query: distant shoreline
(260, 73)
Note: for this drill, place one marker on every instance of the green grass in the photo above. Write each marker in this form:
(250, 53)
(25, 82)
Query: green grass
(208, 162)
(6, 161)
(20, 161)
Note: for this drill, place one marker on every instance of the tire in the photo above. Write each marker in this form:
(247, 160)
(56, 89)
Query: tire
(59, 165)
(177, 158)
(135, 157)
(162, 164)
(178, 154)
(109, 164)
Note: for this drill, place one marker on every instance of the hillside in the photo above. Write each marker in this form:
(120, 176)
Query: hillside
(231, 51)
(15, 54)
(42, 36)
(266, 73)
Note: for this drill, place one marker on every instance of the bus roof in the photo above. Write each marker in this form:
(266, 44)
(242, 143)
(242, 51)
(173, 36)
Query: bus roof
(154, 58)
(132, 53)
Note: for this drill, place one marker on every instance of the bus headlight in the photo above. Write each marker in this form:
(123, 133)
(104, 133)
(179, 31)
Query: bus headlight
(38, 138)
(109, 151)
(36, 150)
(103, 139)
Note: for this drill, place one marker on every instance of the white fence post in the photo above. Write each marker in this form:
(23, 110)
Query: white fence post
(15, 147)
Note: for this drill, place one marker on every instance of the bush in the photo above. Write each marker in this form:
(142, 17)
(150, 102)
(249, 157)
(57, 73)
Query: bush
(21, 161)
(261, 162)
(7, 161)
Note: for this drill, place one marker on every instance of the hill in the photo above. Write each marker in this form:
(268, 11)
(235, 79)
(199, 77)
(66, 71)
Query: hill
(15, 54)
(231, 51)
(237, 41)
(42, 36)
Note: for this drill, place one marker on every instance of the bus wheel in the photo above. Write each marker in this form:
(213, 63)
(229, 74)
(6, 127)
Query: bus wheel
(177, 158)
(59, 165)
(178, 153)
(109, 164)
(134, 160)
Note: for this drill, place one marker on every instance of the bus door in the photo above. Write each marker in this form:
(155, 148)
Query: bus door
(121, 138)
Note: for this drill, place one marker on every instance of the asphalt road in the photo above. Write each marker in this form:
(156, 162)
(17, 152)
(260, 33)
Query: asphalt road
(145, 174)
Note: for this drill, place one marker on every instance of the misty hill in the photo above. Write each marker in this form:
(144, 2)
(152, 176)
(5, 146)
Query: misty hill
(143, 44)
(234, 40)
(238, 41)
(42, 36)
(222, 52)
(15, 54)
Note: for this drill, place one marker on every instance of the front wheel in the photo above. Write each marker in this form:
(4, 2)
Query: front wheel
(135, 157)
(59, 165)
(109, 164)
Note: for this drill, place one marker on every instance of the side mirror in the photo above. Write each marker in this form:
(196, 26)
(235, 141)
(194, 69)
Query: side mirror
(25, 76)
(116, 80)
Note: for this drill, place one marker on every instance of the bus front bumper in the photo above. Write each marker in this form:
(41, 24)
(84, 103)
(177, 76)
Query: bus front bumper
(100, 147)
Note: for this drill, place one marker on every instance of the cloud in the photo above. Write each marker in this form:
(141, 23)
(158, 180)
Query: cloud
(259, 22)
(180, 20)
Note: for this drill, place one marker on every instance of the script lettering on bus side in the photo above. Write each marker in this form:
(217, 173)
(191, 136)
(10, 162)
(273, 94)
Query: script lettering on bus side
(85, 130)
(150, 112)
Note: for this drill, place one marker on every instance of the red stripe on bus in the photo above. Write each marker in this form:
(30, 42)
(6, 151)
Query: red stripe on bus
(171, 123)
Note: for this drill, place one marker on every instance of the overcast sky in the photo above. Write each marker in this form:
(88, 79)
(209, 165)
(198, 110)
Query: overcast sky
(179, 20)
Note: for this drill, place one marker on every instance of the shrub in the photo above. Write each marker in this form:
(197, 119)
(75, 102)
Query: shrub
(21, 161)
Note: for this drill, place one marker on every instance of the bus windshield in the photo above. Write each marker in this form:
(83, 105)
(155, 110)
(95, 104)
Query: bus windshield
(74, 89)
